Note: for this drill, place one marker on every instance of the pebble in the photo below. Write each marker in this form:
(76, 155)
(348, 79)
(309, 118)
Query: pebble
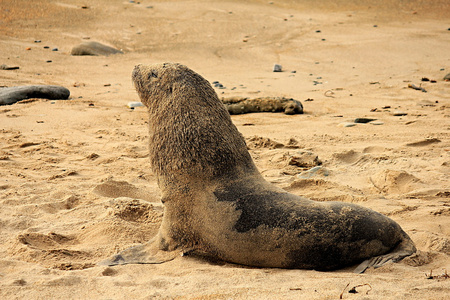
(134, 104)
(277, 68)
(399, 113)
(364, 120)
(37, 41)
(346, 124)
(376, 123)
(447, 77)
(55, 49)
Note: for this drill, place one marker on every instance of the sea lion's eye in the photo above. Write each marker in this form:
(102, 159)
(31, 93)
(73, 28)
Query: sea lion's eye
(152, 74)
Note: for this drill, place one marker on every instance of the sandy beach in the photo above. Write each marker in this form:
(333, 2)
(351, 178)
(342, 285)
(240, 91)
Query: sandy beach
(75, 181)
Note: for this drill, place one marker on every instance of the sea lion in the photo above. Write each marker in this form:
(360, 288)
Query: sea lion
(216, 201)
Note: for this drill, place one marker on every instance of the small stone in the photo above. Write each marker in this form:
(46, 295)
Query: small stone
(277, 68)
(55, 49)
(46, 47)
(134, 104)
(48, 61)
(447, 77)
(376, 123)
(399, 113)
(364, 120)
(346, 124)
(37, 41)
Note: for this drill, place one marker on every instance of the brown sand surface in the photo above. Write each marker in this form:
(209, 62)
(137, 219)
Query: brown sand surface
(75, 182)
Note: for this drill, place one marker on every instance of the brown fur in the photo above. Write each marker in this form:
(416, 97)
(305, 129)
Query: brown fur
(217, 202)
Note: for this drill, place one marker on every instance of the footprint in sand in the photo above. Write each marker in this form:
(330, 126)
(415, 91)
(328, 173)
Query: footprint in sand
(348, 157)
(51, 250)
(395, 182)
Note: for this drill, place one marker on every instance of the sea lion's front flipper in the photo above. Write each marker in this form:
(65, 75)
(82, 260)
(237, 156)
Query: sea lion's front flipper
(149, 253)
(404, 249)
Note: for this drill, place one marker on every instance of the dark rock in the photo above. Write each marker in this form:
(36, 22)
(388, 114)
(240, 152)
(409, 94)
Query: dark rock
(399, 113)
(447, 77)
(277, 68)
(5, 67)
(11, 95)
(94, 48)
(364, 120)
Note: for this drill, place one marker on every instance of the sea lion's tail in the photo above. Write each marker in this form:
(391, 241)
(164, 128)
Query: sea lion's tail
(405, 248)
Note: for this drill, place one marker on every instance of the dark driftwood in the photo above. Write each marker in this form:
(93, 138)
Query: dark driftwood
(241, 105)
(13, 94)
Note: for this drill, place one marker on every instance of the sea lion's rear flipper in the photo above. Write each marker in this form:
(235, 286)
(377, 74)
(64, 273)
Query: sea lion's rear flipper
(148, 253)
(403, 249)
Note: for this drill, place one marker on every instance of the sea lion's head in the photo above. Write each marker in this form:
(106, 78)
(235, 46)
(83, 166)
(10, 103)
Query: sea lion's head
(155, 81)
(161, 82)
(191, 132)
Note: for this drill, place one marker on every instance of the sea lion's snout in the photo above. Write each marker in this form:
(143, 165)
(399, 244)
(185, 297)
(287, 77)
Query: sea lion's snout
(136, 73)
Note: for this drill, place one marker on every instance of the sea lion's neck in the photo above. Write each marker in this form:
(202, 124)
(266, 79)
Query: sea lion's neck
(185, 143)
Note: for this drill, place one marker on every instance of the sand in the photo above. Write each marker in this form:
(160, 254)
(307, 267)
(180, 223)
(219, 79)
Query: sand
(75, 181)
